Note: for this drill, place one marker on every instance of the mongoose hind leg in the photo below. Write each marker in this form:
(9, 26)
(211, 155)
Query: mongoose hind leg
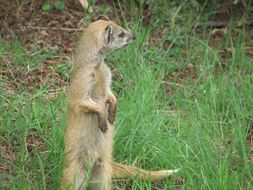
(101, 176)
(73, 178)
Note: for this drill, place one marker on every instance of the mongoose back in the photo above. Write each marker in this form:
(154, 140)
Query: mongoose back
(91, 113)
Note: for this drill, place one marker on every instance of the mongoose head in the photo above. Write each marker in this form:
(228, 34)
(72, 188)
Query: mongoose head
(116, 37)
(109, 35)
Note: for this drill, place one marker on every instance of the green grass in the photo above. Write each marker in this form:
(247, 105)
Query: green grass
(196, 124)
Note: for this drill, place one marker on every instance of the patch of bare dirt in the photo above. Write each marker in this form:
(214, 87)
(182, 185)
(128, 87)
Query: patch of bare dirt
(36, 29)
(34, 142)
(18, 76)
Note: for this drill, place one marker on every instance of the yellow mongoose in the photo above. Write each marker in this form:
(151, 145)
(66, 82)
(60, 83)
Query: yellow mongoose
(91, 113)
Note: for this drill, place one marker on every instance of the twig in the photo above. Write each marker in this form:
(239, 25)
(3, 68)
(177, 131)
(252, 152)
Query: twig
(173, 83)
(233, 50)
(174, 16)
(218, 24)
(55, 28)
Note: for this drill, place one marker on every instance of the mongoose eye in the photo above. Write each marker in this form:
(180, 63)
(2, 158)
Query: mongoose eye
(122, 34)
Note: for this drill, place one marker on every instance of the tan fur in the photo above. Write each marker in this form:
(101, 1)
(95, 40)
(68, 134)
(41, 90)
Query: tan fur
(121, 171)
(91, 112)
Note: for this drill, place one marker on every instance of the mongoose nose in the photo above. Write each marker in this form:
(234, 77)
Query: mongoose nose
(133, 37)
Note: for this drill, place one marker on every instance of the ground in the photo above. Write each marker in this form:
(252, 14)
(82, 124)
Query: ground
(184, 89)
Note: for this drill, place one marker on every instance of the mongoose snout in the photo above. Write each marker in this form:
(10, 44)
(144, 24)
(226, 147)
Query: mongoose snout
(131, 38)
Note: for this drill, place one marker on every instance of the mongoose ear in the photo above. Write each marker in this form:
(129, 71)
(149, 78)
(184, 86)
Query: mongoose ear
(102, 17)
(109, 33)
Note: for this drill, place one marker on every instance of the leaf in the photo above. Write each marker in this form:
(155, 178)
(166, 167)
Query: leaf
(59, 4)
(84, 3)
(47, 6)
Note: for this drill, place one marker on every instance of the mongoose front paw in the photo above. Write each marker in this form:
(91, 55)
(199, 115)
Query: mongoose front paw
(112, 112)
(111, 117)
(102, 125)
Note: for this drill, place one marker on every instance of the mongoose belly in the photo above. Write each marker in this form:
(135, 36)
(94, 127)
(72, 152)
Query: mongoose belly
(92, 143)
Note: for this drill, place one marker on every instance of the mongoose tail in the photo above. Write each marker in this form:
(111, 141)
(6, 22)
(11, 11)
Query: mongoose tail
(121, 171)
